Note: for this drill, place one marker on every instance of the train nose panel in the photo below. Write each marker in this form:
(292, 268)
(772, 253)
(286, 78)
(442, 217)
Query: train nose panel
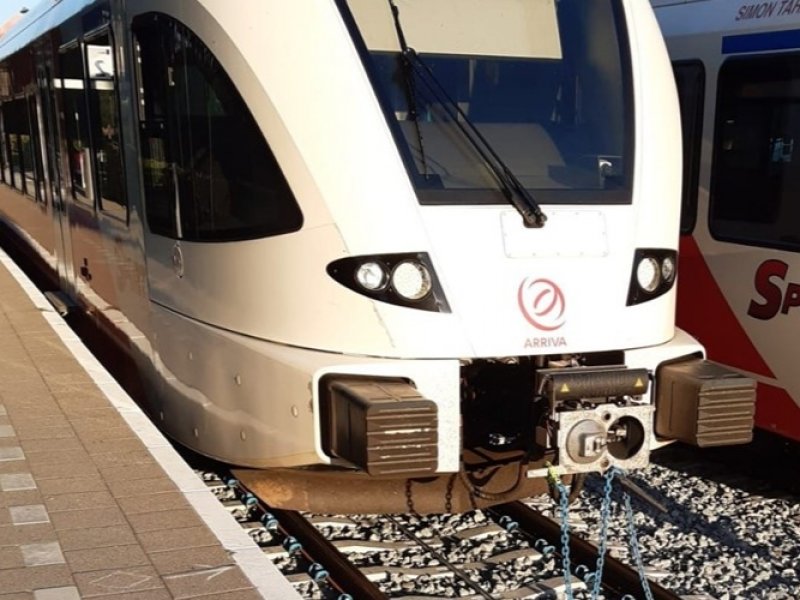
(702, 403)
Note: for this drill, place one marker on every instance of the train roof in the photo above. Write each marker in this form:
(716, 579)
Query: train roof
(46, 15)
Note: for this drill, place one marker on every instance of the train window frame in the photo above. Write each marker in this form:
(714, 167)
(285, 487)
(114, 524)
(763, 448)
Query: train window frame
(34, 127)
(692, 137)
(18, 107)
(83, 195)
(427, 191)
(3, 149)
(754, 224)
(187, 200)
(118, 210)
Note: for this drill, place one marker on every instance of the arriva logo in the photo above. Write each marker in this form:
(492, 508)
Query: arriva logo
(542, 303)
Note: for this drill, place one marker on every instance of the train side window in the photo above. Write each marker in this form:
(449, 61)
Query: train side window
(690, 77)
(34, 168)
(20, 143)
(756, 171)
(105, 124)
(76, 122)
(202, 146)
(5, 171)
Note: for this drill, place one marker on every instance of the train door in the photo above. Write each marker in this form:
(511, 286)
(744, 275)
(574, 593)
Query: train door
(52, 163)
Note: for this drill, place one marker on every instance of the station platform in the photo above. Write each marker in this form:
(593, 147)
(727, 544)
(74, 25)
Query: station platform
(94, 502)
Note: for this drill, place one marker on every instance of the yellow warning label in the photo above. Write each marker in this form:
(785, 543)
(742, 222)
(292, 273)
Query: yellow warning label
(639, 383)
(564, 389)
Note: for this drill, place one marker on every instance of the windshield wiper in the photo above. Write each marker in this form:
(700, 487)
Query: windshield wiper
(511, 187)
(410, 87)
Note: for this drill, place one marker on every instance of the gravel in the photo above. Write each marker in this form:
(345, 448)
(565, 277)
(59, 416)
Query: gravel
(725, 535)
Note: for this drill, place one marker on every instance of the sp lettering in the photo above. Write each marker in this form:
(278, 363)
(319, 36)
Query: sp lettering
(773, 293)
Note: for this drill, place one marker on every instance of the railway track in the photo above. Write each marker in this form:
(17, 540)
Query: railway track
(510, 551)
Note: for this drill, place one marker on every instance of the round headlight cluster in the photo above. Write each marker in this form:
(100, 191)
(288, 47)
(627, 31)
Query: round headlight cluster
(650, 273)
(406, 279)
(410, 279)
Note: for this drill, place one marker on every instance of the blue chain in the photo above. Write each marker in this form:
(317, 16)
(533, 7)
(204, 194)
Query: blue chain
(634, 541)
(605, 507)
(563, 500)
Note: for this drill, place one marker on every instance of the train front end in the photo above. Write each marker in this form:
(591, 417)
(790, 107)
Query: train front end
(500, 297)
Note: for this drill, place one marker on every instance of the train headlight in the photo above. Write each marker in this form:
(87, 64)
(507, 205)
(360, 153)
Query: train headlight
(653, 274)
(411, 280)
(372, 276)
(405, 279)
(648, 274)
(668, 268)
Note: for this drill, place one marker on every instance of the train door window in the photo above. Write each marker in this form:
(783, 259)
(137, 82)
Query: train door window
(105, 124)
(201, 145)
(18, 138)
(34, 171)
(4, 169)
(73, 106)
(690, 78)
(756, 171)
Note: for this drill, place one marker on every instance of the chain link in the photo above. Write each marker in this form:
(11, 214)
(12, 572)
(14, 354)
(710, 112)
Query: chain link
(634, 542)
(409, 498)
(563, 501)
(448, 496)
(605, 509)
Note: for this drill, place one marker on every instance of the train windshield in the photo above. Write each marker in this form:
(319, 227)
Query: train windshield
(544, 83)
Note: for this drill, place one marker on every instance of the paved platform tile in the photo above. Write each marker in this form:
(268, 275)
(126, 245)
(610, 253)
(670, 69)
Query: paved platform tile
(11, 453)
(79, 501)
(59, 471)
(148, 503)
(14, 482)
(117, 581)
(28, 515)
(101, 559)
(29, 579)
(62, 593)
(36, 533)
(99, 537)
(139, 487)
(38, 555)
(157, 521)
(20, 498)
(56, 444)
(186, 560)
(72, 485)
(196, 583)
(176, 539)
(45, 433)
(250, 594)
(10, 558)
(7, 431)
(83, 519)
(58, 457)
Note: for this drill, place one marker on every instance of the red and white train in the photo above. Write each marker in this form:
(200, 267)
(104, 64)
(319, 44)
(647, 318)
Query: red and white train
(388, 261)
(737, 65)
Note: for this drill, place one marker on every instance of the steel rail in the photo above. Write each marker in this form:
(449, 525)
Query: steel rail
(342, 573)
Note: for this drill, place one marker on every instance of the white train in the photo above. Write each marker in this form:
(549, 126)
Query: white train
(394, 255)
(737, 65)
